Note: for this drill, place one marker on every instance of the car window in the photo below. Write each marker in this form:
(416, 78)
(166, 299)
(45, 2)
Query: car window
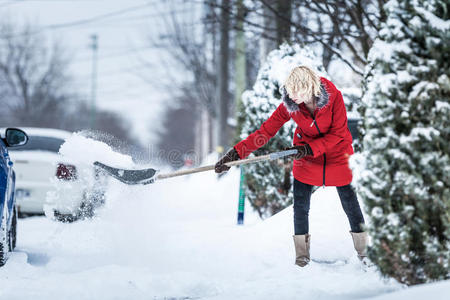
(40, 143)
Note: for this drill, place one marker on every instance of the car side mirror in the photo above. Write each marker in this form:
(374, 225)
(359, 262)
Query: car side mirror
(15, 137)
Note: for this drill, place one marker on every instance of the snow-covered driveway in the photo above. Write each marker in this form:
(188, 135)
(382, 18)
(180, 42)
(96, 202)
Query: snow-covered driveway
(177, 239)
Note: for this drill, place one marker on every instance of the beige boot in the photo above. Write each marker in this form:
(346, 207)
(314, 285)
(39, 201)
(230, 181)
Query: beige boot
(301, 243)
(360, 243)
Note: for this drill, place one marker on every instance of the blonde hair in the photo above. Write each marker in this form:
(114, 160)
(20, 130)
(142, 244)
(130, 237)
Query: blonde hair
(303, 79)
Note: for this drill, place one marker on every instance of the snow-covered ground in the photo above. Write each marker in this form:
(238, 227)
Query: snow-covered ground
(178, 239)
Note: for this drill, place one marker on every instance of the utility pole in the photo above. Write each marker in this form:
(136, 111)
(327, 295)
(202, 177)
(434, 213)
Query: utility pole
(210, 118)
(222, 84)
(240, 64)
(94, 47)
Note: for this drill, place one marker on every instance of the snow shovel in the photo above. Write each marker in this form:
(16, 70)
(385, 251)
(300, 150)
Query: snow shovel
(149, 175)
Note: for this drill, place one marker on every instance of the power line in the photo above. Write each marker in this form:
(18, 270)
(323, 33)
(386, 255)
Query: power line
(9, 3)
(83, 21)
(79, 23)
(97, 18)
(147, 16)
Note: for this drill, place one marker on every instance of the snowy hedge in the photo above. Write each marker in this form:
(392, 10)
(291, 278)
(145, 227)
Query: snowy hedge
(268, 184)
(406, 115)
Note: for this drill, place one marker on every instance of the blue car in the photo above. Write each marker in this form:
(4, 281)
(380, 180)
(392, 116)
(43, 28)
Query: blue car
(8, 211)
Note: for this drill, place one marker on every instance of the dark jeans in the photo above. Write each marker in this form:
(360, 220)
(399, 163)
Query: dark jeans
(302, 198)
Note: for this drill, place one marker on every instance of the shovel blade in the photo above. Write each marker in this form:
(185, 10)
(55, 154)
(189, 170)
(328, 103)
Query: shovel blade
(127, 176)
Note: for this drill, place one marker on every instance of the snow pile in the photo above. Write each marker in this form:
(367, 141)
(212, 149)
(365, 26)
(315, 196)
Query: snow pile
(79, 148)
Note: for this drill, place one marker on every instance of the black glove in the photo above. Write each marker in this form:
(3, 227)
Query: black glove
(231, 155)
(303, 150)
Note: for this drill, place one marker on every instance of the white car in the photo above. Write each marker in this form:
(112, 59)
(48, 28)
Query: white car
(46, 182)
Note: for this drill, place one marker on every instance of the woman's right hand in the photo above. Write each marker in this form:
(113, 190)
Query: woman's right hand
(302, 151)
(231, 155)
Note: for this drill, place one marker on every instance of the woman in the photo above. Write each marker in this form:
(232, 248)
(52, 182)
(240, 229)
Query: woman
(324, 145)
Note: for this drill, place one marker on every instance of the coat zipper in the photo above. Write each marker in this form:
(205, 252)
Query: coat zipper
(324, 156)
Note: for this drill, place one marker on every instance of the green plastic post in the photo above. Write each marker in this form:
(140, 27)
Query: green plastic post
(240, 218)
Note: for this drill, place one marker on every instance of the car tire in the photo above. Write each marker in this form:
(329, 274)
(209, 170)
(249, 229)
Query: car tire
(4, 242)
(64, 218)
(86, 210)
(13, 232)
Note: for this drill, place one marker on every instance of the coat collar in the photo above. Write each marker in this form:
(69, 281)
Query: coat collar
(292, 107)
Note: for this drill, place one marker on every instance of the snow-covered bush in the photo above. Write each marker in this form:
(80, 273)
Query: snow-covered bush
(268, 184)
(405, 184)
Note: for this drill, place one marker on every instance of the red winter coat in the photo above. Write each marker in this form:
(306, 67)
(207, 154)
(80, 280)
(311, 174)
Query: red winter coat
(325, 131)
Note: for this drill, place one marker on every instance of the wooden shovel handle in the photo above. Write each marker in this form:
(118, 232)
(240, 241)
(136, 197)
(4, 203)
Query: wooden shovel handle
(270, 156)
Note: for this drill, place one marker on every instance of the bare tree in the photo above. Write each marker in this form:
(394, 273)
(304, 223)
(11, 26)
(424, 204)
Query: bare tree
(344, 29)
(35, 86)
(346, 24)
(180, 40)
(191, 42)
(33, 77)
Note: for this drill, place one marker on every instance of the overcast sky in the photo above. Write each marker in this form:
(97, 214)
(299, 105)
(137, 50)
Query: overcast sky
(122, 27)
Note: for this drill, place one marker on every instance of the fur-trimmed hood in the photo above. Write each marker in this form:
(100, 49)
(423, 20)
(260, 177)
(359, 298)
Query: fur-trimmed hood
(292, 107)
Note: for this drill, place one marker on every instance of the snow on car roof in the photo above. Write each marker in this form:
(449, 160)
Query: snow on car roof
(49, 132)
